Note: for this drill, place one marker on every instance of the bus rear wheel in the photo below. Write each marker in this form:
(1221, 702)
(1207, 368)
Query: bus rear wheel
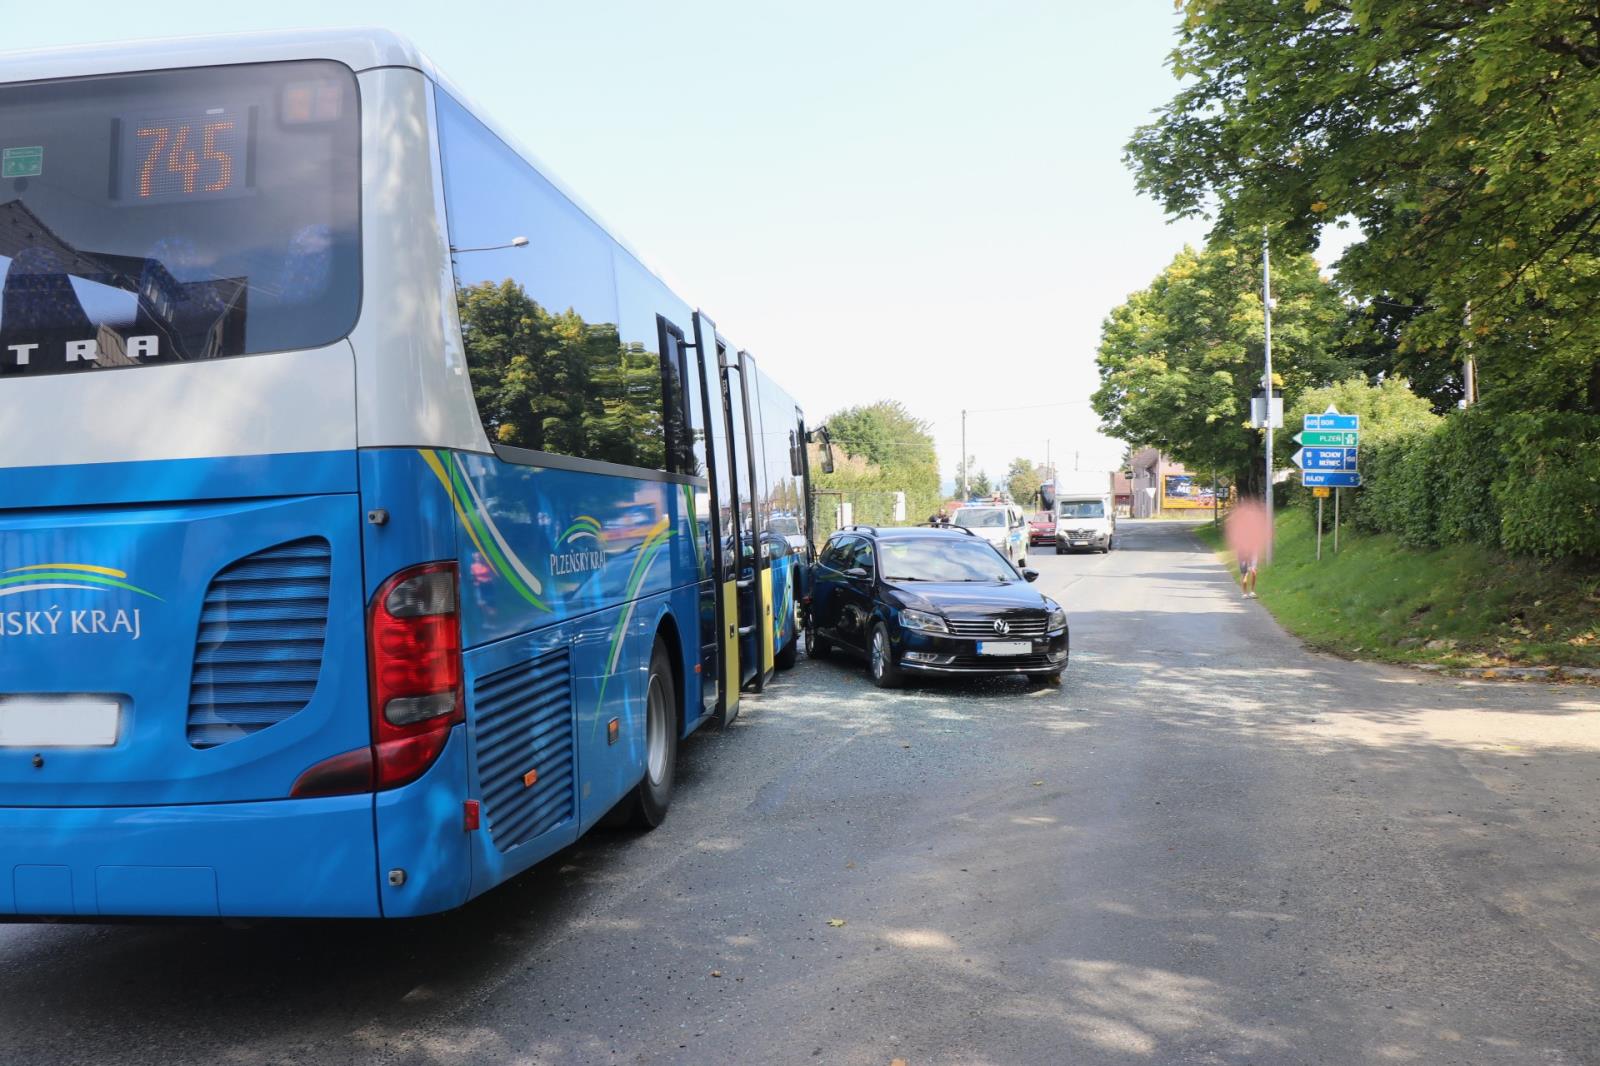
(653, 795)
(785, 658)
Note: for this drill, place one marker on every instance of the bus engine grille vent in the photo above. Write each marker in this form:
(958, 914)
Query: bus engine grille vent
(259, 649)
(526, 767)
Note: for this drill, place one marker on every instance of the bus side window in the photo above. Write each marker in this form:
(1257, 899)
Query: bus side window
(674, 378)
(553, 369)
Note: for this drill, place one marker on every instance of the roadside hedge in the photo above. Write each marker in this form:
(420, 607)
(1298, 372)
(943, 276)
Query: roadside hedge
(1525, 482)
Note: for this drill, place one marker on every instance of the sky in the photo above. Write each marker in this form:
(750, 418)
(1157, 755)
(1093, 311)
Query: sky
(917, 200)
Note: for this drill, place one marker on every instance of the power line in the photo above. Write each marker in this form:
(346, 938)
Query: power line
(1029, 407)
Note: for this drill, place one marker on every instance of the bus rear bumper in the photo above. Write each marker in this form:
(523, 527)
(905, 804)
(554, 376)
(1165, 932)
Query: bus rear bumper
(278, 858)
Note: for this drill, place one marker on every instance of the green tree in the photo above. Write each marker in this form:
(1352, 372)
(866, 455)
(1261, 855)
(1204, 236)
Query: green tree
(890, 450)
(980, 485)
(1023, 480)
(1179, 360)
(1388, 410)
(884, 433)
(1461, 138)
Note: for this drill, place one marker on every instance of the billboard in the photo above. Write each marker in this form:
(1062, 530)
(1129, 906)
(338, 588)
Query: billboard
(1186, 490)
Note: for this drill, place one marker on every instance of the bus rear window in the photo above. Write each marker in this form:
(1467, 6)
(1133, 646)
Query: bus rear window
(172, 216)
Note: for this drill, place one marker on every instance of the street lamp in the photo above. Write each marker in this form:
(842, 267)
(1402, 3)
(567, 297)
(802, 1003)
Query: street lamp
(516, 242)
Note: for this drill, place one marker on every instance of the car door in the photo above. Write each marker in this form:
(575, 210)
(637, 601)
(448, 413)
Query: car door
(855, 595)
(1019, 534)
(826, 581)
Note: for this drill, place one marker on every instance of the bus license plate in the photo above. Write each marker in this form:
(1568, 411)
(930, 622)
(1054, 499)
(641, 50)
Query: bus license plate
(58, 721)
(1004, 647)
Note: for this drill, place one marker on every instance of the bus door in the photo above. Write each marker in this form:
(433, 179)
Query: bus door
(801, 464)
(771, 549)
(705, 407)
(748, 560)
(723, 660)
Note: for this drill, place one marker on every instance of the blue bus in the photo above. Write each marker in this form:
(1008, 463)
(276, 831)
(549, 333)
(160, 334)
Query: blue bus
(372, 521)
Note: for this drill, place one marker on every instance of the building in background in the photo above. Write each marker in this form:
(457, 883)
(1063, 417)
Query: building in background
(1162, 488)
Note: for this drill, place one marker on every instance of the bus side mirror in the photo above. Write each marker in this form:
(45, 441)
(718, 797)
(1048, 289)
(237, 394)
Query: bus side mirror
(820, 436)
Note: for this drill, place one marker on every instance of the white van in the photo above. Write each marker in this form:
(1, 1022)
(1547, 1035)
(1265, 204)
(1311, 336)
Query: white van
(1002, 524)
(1085, 522)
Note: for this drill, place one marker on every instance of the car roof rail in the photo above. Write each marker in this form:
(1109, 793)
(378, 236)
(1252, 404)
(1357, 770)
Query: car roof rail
(858, 526)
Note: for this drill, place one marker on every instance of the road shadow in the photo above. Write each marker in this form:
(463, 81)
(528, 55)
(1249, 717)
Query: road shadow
(1207, 845)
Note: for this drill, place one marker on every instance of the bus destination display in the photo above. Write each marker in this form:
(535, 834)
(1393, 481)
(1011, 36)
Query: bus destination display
(184, 157)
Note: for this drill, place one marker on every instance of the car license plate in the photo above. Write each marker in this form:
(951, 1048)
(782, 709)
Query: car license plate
(59, 721)
(1080, 544)
(1004, 647)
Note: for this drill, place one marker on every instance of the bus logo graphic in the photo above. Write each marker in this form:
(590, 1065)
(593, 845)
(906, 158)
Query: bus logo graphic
(480, 527)
(42, 577)
(581, 549)
(53, 621)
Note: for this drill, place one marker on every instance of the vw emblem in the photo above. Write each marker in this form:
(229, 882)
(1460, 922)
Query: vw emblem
(1002, 627)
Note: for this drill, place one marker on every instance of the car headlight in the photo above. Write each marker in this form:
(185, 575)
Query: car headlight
(1058, 620)
(922, 620)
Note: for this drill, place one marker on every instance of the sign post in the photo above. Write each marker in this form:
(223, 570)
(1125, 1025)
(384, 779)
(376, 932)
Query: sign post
(1327, 461)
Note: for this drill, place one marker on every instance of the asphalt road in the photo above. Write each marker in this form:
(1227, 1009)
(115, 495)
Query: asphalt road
(1207, 846)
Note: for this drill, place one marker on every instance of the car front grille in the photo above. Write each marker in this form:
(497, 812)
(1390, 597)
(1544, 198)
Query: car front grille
(1022, 627)
(1078, 534)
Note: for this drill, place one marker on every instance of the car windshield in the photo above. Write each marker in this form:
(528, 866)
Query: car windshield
(943, 559)
(1042, 517)
(1082, 509)
(784, 524)
(980, 517)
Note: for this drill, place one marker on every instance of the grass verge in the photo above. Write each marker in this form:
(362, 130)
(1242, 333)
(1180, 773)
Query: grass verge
(1457, 606)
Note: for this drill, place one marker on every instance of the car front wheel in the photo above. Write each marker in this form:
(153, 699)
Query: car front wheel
(885, 672)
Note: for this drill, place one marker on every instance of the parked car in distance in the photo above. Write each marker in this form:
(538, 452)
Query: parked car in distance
(1001, 524)
(1042, 529)
(931, 601)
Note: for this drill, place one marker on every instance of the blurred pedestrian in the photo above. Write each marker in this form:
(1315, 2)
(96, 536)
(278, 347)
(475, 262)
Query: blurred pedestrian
(1249, 536)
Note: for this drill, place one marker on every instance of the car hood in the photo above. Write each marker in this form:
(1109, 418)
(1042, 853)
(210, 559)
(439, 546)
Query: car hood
(967, 597)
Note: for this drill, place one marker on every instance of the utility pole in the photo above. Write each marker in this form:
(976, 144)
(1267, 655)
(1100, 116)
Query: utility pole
(963, 455)
(1469, 366)
(1266, 375)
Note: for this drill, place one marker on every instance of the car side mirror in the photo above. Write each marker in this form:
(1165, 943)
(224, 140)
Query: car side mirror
(1030, 574)
(858, 573)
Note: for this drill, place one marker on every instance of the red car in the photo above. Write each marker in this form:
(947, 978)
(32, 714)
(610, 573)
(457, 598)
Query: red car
(1042, 529)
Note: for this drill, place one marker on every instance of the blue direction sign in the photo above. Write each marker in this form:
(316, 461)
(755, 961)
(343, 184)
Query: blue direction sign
(1338, 459)
(1333, 420)
(1336, 479)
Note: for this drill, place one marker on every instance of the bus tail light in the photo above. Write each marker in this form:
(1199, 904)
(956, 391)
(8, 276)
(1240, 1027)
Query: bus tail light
(414, 653)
